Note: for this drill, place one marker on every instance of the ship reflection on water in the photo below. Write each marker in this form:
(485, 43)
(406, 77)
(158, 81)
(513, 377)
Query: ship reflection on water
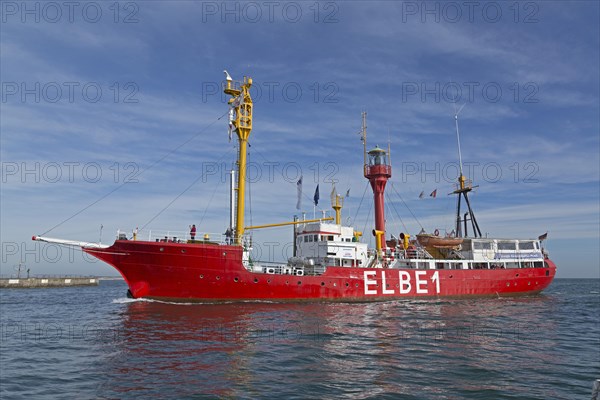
(257, 349)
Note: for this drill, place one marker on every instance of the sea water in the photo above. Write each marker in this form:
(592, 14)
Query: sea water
(93, 342)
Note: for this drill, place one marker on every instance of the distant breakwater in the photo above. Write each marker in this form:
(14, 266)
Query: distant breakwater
(47, 282)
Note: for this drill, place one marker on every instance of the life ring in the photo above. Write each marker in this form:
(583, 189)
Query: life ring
(436, 232)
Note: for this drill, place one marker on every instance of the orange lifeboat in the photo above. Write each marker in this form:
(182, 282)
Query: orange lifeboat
(437, 241)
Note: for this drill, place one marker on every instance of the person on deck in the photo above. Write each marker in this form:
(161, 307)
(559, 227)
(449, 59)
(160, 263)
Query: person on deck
(193, 232)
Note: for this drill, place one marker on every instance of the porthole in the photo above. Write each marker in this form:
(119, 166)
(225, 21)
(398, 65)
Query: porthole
(236, 279)
(322, 283)
(162, 249)
(218, 278)
(201, 276)
(287, 282)
(517, 275)
(183, 250)
(255, 280)
(268, 281)
(299, 282)
(347, 284)
(507, 284)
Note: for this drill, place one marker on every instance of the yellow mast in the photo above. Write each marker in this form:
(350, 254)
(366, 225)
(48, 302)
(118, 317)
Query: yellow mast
(241, 103)
(337, 206)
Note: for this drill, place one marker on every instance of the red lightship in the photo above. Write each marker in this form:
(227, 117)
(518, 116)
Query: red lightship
(330, 262)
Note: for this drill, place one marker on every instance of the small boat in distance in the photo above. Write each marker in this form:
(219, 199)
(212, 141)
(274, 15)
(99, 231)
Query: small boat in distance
(331, 262)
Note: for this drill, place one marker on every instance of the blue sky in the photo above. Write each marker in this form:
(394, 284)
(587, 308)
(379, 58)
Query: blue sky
(95, 93)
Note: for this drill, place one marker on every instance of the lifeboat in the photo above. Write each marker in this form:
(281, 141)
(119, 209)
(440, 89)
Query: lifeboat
(439, 242)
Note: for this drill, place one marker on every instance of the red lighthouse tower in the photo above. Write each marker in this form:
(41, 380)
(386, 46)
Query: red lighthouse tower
(377, 171)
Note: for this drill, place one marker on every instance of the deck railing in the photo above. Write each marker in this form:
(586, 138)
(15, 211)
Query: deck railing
(155, 235)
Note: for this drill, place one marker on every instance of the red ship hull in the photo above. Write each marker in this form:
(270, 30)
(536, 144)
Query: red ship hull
(212, 273)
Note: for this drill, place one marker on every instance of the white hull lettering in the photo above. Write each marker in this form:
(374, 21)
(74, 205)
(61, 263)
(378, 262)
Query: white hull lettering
(420, 282)
(370, 282)
(436, 278)
(407, 283)
(384, 285)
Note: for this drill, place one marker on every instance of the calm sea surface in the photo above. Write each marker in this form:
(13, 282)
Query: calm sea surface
(93, 342)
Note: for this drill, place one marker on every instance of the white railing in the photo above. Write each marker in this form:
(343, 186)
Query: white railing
(156, 235)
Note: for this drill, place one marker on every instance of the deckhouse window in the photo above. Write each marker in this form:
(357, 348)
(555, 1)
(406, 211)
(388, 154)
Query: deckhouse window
(507, 246)
(482, 245)
(526, 246)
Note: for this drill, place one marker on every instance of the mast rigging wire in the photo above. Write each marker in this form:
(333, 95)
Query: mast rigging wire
(361, 201)
(141, 172)
(406, 205)
(397, 213)
(188, 188)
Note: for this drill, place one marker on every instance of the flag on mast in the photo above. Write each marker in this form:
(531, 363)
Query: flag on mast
(348, 193)
(422, 194)
(299, 190)
(543, 237)
(316, 197)
(434, 193)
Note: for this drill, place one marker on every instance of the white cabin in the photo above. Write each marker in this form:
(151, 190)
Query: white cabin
(329, 244)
